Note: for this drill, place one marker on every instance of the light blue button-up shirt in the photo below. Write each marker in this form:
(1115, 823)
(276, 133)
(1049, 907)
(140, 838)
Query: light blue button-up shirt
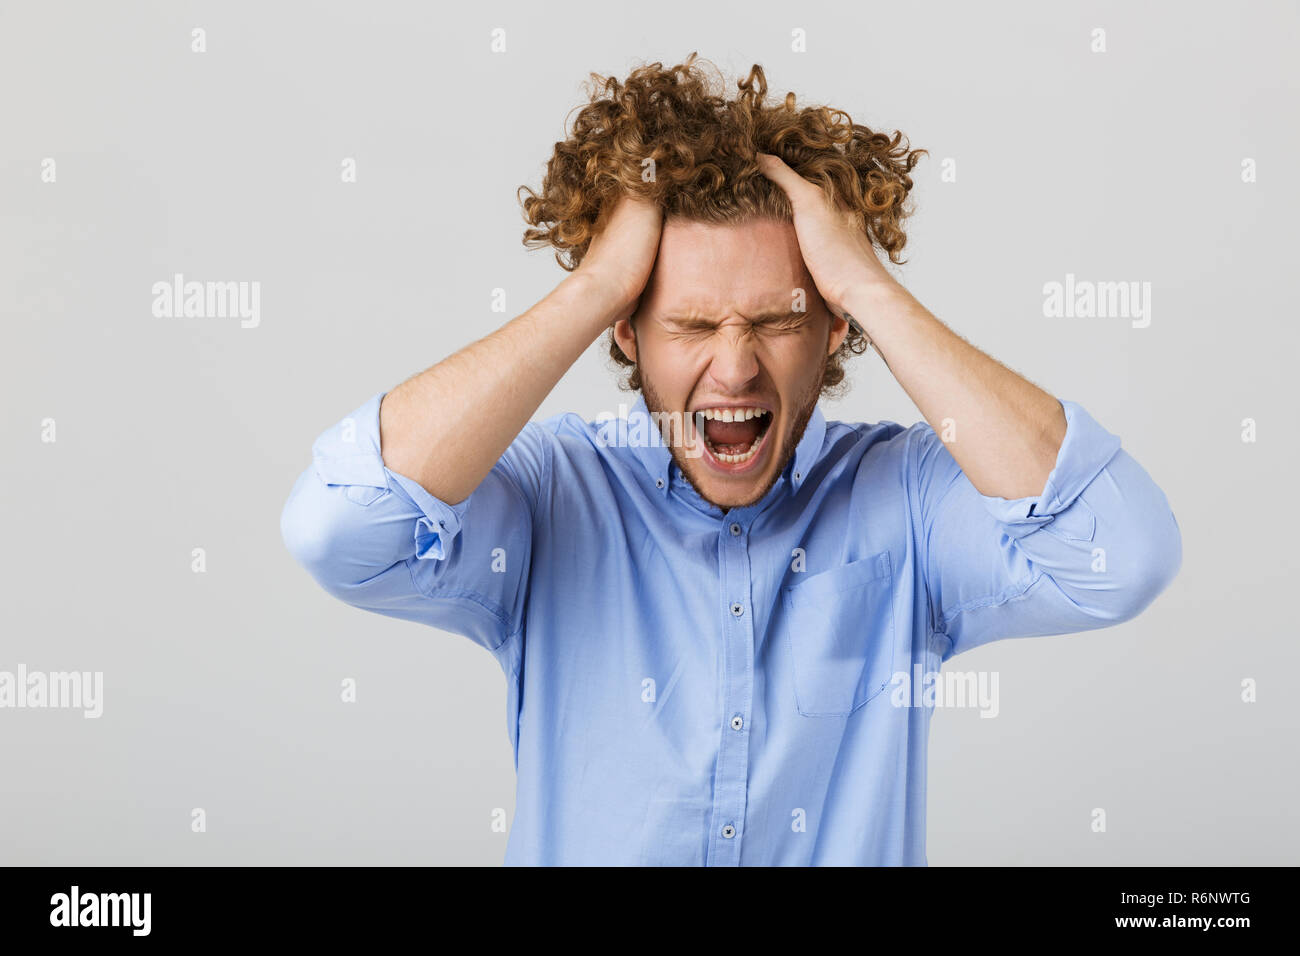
(688, 686)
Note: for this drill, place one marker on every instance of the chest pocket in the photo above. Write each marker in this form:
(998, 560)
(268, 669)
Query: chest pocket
(840, 631)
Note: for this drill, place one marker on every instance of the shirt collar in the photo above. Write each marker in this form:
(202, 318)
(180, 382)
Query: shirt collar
(657, 459)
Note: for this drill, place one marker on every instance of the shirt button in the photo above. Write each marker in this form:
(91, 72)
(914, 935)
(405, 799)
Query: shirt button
(659, 482)
(797, 476)
(735, 529)
(737, 610)
(737, 722)
(728, 831)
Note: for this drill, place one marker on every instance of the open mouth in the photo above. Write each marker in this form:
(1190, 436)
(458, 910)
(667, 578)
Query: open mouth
(734, 436)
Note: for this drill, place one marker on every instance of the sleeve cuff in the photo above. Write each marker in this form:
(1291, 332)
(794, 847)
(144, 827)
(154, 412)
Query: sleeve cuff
(439, 522)
(1086, 449)
(346, 455)
(349, 454)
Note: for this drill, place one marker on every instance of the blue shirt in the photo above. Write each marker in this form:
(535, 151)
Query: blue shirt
(688, 686)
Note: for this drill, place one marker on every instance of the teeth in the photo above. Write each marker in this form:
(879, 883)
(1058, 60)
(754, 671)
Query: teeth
(747, 454)
(731, 414)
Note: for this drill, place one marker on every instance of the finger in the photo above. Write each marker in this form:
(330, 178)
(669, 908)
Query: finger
(775, 169)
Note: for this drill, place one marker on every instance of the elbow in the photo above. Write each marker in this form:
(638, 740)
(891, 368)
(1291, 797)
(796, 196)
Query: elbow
(314, 531)
(305, 535)
(344, 536)
(1149, 563)
(1143, 546)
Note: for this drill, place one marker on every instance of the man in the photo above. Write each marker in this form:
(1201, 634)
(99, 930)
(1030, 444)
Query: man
(700, 621)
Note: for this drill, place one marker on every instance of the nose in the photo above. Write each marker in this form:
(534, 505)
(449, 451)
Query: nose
(734, 363)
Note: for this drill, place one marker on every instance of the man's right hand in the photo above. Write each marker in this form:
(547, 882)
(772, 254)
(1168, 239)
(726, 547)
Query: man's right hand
(621, 257)
(448, 426)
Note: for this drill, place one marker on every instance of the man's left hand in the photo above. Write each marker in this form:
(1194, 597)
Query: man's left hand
(838, 253)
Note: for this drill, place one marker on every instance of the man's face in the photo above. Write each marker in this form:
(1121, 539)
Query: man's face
(719, 331)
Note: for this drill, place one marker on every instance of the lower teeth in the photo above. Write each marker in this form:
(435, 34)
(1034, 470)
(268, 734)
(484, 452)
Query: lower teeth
(735, 459)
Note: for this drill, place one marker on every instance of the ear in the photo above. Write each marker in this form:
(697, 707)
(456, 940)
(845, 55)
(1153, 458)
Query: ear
(625, 336)
(839, 329)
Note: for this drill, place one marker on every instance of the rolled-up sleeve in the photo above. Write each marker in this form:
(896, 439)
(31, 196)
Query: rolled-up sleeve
(380, 541)
(1094, 548)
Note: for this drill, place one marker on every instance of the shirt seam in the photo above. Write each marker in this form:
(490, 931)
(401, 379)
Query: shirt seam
(440, 594)
(918, 523)
(548, 469)
(1010, 593)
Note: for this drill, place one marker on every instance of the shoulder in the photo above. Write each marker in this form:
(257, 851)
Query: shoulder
(571, 432)
(874, 441)
(605, 441)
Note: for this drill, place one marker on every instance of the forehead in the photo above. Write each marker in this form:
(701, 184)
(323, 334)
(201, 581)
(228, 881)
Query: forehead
(714, 269)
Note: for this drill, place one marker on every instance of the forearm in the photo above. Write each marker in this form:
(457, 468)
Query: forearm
(1002, 430)
(447, 426)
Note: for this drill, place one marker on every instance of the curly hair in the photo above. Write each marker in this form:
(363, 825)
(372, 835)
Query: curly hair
(701, 149)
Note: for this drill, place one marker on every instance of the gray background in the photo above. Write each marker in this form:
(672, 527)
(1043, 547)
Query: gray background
(222, 688)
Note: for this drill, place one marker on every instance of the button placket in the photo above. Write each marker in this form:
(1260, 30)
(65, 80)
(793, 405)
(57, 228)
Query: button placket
(731, 775)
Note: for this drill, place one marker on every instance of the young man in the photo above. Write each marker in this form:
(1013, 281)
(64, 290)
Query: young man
(700, 627)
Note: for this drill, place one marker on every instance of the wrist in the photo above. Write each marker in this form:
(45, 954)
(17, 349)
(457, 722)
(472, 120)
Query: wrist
(870, 300)
(589, 300)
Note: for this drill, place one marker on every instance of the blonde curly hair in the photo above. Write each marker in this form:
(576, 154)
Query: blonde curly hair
(703, 148)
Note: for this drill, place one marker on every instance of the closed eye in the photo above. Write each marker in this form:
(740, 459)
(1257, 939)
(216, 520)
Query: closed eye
(791, 323)
(691, 332)
(783, 325)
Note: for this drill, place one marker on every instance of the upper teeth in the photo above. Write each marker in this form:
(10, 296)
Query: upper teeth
(730, 414)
